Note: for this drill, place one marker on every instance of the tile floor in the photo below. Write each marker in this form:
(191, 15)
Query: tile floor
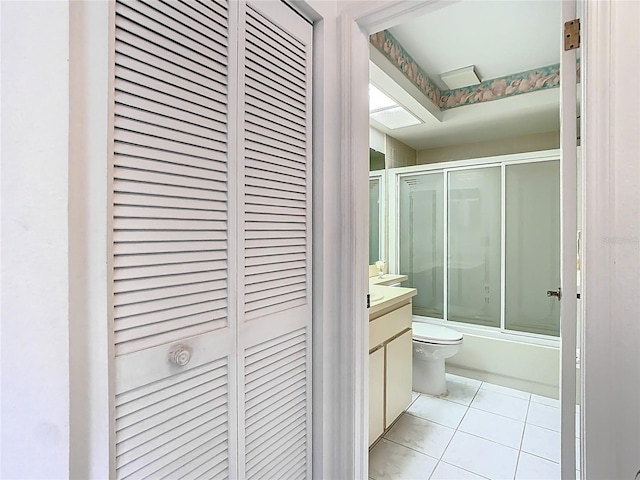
(479, 430)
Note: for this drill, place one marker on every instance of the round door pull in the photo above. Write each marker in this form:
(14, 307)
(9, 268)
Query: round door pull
(180, 355)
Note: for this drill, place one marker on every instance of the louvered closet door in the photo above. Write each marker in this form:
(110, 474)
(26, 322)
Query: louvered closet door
(173, 329)
(275, 321)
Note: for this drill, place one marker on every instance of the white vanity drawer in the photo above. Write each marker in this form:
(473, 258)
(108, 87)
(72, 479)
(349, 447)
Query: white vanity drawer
(383, 328)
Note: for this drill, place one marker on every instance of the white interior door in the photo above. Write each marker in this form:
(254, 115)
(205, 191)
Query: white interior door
(274, 302)
(211, 217)
(568, 196)
(173, 323)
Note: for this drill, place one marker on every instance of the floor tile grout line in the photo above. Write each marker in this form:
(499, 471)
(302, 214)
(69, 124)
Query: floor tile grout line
(526, 417)
(489, 440)
(507, 394)
(544, 428)
(540, 457)
(515, 471)
(497, 414)
(428, 420)
(461, 468)
(411, 448)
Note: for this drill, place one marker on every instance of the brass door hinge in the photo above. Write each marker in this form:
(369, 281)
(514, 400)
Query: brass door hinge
(572, 35)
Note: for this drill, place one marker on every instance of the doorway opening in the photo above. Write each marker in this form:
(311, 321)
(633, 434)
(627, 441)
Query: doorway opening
(424, 127)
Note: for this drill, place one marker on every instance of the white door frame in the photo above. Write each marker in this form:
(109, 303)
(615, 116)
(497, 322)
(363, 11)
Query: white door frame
(356, 23)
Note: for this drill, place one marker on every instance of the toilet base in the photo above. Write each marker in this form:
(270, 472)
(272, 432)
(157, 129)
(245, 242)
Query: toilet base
(429, 376)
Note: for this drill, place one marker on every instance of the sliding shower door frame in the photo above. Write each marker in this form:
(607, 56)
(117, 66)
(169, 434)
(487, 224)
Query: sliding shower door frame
(383, 208)
(393, 201)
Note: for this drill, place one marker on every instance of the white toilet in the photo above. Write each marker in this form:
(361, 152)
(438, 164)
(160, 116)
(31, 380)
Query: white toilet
(432, 344)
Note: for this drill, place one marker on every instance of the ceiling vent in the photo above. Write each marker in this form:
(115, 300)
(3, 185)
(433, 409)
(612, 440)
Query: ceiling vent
(462, 77)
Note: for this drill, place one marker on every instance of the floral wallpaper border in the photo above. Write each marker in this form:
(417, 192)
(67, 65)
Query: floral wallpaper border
(398, 56)
(516, 84)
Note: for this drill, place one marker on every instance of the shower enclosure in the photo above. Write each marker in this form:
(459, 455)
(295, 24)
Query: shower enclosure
(376, 216)
(480, 241)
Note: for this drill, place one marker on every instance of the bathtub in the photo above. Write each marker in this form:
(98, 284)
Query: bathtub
(509, 362)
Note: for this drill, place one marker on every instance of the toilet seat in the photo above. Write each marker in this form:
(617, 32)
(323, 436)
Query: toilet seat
(435, 334)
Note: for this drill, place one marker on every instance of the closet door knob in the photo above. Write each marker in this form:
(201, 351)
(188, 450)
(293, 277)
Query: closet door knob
(180, 355)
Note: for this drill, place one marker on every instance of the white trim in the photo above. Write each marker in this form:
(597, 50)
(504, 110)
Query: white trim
(354, 344)
(503, 245)
(445, 246)
(381, 176)
(91, 428)
(568, 228)
(526, 157)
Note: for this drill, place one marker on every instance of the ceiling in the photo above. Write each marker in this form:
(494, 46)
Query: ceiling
(500, 38)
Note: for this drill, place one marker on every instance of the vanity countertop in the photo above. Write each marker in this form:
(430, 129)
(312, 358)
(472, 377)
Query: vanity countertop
(392, 297)
(387, 279)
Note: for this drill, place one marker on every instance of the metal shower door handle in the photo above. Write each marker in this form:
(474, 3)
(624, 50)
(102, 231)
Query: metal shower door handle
(552, 293)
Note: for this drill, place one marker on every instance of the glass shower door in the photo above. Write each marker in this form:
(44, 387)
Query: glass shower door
(473, 246)
(532, 247)
(421, 240)
(374, 220)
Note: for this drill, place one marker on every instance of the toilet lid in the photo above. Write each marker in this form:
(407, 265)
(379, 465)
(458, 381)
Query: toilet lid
(426, 332)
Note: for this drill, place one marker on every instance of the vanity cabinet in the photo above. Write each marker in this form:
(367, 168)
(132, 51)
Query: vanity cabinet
(398, 376)
(376, 394)
(390, 367)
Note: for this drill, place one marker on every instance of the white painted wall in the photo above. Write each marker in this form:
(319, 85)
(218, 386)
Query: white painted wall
(377, 140)
(35, 307)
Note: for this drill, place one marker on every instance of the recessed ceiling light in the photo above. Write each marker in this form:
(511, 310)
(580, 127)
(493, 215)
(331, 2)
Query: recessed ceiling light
(396, 117)
(462, 77)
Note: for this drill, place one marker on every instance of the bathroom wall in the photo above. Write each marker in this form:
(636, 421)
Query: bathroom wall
(398, 154)
(377, 140)
(519, 144)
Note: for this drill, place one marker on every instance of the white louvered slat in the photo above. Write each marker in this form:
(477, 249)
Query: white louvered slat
(198, 212)
(207, 48)
(275, 404)
(274, 155)
(170, 239)
(170, 175)
(266, 99)
(155, 50)
(277, 230)
(133, 286)
(158, 424)
(177, 158)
